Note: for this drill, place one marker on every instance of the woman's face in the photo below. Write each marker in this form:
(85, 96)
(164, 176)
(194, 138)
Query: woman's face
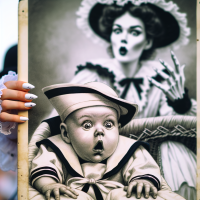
(128, 38)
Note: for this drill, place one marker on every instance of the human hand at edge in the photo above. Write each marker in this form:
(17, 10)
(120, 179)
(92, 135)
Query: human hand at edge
(16, 97)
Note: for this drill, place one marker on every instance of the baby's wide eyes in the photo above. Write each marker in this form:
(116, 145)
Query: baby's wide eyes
(87, 125)
(109, 124)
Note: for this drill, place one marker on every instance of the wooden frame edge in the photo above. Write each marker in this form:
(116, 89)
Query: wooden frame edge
(198, 99)
(23, 172)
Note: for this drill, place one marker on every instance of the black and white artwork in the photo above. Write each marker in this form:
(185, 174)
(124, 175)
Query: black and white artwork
(131, 60)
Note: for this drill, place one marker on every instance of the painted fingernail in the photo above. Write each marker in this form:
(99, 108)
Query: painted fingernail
(161, 60)
(23, 118)
(30, 96)
(172, 53)
(29, 104)
(28, 86)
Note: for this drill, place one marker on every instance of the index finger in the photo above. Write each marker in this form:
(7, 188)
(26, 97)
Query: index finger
(168, 68)
(176, 62)
(19, 85)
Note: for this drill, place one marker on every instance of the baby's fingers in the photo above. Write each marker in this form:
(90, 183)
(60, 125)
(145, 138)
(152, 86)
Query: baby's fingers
(139, 189)
(69, 192)
(9, 94)
(47, 194)
(19, 85)
(154, 192)
(56, 193)
(147, 190)
(131, 186)
(16, 105)
(6, 117)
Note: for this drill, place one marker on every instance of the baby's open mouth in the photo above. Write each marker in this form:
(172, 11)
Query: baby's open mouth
(98, 147)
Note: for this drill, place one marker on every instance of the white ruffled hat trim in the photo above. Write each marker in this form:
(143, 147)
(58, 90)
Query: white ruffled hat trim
(86, 6)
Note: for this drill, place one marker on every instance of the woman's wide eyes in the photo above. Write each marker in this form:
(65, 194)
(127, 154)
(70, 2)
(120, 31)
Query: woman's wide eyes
(87, 125)
(132, 32)
(117, 30)
(135, 32)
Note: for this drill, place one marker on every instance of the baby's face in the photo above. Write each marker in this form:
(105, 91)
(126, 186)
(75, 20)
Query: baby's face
(93, 132)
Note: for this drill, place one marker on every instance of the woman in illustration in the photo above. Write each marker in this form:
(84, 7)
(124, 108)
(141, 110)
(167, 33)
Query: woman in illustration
(135, 29)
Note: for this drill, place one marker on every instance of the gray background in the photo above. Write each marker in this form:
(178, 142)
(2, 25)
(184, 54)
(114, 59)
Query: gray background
(57, 46)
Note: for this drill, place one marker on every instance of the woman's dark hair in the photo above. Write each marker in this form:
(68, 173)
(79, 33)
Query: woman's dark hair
(152, 23)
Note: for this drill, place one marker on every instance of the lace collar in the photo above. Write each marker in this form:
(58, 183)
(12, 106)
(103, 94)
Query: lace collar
(146, 70)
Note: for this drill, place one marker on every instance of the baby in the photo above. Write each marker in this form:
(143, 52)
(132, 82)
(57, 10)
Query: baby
(89, 159)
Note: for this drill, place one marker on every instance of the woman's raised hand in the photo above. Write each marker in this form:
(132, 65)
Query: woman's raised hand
(174, 89)
(16, 97)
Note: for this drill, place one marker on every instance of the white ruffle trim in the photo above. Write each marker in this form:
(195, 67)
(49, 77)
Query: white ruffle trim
(11, 76)
(5, 127)
(8, 154)
(86, 6)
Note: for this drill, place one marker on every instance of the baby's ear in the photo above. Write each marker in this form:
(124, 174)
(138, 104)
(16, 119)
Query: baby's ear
(119, 125)
(64, 134)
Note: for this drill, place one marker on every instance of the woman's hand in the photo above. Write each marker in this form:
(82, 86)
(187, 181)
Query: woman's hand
(16, 97)
(140, 186)
(175, 81)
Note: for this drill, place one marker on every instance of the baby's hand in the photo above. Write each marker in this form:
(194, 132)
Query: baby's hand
(57, 189)
(17, 91)
(139, 186)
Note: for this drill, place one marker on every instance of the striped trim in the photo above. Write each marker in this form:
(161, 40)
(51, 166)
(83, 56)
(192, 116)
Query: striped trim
(149, 177)
(60, 156)
(44, 171)
(125, 159)
(68, 90)
(41, 168)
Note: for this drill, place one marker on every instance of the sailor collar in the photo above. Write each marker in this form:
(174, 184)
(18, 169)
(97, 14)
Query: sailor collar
(65, 152)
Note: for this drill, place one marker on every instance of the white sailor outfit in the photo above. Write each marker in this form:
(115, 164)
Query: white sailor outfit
(130, 161)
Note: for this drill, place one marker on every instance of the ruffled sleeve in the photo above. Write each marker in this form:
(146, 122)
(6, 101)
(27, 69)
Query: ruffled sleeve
(91, 72)
(8, 148)
(165, 109)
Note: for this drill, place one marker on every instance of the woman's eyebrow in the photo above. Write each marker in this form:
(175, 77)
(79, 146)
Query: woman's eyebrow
(117, 25)
(137, 26)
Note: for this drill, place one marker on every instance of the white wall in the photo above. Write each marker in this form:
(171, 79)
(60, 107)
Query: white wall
(8, 26)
